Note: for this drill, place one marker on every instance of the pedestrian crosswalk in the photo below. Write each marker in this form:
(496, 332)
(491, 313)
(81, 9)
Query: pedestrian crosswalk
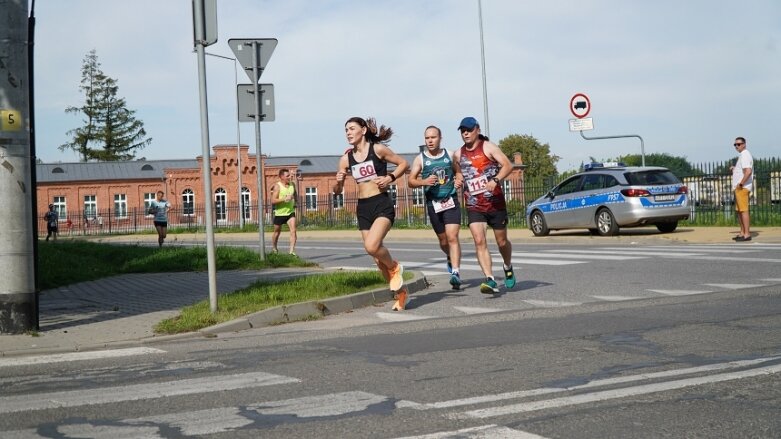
(210, 417)
(573, 256)
(608, 256)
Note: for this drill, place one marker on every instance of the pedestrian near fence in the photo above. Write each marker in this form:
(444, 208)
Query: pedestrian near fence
(283, 198)
(742, 185)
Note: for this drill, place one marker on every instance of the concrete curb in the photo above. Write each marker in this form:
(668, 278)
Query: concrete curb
(317, 308)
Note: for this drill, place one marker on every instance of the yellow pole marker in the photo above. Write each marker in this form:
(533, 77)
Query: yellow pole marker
(10, 120)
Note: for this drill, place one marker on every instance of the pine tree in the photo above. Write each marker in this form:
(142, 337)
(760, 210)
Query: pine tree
(110, 131)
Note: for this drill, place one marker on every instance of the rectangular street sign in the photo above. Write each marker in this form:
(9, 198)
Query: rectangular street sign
(208, 22)
(587, 123)
(242, 48)
(246, 97)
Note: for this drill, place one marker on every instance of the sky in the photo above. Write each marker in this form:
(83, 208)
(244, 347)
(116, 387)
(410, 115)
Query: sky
(686, 76)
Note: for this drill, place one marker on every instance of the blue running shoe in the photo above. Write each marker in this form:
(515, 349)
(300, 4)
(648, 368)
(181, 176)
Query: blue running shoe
(455, 281)
(489, 286)
(509, 277)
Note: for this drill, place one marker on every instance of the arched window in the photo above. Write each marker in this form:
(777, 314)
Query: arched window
(220, 201)
(245, 202)
(188, 202)
(58, 170)
(305, 162)
(147, 167)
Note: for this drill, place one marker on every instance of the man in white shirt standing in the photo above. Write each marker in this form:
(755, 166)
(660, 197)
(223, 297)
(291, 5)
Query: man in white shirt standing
(742, 184)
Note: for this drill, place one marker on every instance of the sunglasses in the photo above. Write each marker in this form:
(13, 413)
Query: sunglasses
(737, 144)
(467, 130)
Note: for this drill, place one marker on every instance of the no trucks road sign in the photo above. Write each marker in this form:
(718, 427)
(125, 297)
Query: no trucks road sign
(580, 105)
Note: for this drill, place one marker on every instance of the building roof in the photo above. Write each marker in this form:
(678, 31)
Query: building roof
(93, 171)
(146, 169)
(320, 164)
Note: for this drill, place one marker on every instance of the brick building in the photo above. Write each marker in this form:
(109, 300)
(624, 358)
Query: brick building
(113, 196)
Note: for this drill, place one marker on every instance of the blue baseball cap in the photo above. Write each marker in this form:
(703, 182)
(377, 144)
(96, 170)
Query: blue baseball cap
(469, 123)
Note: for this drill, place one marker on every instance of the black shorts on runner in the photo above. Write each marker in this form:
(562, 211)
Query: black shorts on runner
(369, 209)
(161, 223)
(439, 220)
(279, 220)
(497, 220)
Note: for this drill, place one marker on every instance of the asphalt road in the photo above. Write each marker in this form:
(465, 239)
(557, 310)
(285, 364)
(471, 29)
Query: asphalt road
(696, 352)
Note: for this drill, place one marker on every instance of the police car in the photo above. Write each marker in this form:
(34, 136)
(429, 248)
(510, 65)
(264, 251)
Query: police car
(608, 196)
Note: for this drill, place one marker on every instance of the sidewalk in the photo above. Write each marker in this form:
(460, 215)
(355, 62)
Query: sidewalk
(122, 310)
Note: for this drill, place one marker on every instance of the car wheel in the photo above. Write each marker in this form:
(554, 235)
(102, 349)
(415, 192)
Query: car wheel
(606, 222)
(667, 227)
(538, 226)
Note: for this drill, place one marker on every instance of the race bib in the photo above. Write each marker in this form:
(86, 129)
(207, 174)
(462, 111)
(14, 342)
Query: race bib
(477, 185)
(441, 206)
(364, 172)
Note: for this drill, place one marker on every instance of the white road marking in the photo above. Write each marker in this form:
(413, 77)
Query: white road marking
(735, 286)
(222, 419)
(770, 280)
(551, 303)
(596, 383)
(538, 261)
(615, 298)
(136, 392)
(200, 422)
(334, 404)
(681, 292)
(76, 356)
(401, 316)
(481, 432)
(475, 310)
(579, 256)
(630, 252)
(604, 395)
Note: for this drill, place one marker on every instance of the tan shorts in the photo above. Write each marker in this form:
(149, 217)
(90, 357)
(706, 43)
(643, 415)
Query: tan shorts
(741, 199)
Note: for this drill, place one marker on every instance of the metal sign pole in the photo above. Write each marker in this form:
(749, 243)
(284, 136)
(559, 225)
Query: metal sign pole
(200, 43)
(642, 144)
(261, 195)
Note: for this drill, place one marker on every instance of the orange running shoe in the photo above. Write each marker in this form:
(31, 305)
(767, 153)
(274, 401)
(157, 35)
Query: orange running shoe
(396, 277)
(401, 300)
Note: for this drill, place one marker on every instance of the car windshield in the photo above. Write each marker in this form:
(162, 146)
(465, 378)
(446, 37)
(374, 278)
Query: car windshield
(651, 177)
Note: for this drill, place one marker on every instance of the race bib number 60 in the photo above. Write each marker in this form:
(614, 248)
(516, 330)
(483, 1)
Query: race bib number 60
(477, 185)
(364, 172)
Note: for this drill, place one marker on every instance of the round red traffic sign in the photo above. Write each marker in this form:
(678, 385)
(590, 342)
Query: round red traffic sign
(580, 105)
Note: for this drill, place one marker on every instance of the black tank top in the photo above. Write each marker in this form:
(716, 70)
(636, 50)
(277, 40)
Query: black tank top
(380, 166)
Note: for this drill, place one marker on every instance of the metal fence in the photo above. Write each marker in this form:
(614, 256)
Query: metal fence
(709, 187)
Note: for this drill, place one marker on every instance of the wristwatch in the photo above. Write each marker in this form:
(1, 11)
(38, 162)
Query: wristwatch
(496, 180)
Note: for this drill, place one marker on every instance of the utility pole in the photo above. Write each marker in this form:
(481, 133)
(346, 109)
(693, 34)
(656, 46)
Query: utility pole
(18, 312)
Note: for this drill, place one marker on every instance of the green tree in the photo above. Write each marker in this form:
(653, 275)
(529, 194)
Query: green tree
(678, 165)
(536, 156)
(110, 132)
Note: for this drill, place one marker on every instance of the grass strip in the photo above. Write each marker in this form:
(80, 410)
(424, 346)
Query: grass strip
(263, 295)
(68, 262)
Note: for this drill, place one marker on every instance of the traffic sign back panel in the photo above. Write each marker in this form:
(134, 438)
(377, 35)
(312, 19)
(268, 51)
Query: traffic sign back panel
(242, 48)
(246, 98)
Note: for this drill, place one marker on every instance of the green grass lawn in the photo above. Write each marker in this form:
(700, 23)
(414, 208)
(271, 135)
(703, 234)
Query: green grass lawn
(262, 295)
(67, 262)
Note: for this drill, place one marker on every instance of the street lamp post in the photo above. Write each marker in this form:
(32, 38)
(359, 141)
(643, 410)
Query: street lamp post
(482, 58)
(238, 134)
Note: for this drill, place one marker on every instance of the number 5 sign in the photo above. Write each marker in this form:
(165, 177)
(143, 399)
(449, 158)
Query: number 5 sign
(10, 120)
